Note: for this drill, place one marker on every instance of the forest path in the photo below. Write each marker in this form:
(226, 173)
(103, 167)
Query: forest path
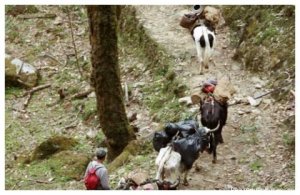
(253, 155)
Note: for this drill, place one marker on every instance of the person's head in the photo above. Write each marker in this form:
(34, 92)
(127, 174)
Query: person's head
(101, 154)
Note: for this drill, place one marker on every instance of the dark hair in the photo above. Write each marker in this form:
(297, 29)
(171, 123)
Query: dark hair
(100, 153)
(196, 7)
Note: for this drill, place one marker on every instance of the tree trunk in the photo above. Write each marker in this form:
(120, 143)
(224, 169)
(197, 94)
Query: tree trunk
(106, 75)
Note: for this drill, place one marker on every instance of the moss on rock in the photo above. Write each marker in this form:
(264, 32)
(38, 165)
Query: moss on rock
(51, 146)
(63, 166)
(132, 149)
(73, 164)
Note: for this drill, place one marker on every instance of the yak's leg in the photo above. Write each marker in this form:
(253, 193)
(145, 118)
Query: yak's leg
(185, 182)
(214, 148)
(212, 61)
(201, 67)
(214, 156)
(199, 56)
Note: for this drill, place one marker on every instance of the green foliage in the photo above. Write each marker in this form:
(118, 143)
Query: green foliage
(63, 166)
(249, 134)
(10, 142)
(63, 76)
(45, 116)
(256, 165)
(289, 140)
(264, 37)
(11, 92)
(163, 103)
(248, 128)
(288, 135)
(99, 137)
(20, 9)
(161, 94)
(11, 29)
(90, 109)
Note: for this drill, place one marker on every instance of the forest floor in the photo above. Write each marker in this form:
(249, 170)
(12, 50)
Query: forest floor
(256, 153)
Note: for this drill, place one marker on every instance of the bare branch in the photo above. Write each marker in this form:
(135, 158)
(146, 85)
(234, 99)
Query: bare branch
(33, 16)
(36, 89)
(73, 42)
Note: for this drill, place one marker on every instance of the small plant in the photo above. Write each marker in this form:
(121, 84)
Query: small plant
(256, 165)
(90, 109)
(289, 140)
(99, 137)
(12, 92)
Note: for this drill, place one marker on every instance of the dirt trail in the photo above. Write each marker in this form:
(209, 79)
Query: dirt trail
(254, 158)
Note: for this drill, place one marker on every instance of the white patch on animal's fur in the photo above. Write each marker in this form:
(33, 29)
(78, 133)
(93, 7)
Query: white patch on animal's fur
(168, 163)
(204, 54)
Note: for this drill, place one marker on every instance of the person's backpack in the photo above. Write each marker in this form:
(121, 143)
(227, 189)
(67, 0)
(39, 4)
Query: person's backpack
(91, 181)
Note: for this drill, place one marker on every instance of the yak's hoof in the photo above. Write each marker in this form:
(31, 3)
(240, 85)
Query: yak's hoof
(221, 141)
(200, 73)
(214, 161)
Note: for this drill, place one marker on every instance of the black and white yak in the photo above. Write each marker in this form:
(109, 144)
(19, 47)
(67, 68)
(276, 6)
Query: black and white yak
(204, 38)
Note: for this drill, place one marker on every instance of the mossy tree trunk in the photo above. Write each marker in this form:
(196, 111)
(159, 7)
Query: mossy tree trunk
(106, 75)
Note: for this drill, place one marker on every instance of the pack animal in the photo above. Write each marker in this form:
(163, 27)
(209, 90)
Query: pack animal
(204, 38)
(214, 115)
(178, 157)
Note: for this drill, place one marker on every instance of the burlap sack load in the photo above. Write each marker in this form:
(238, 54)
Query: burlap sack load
(188, 20)
(211, 14)
(224, 90)
(197, 96)
(138, 176)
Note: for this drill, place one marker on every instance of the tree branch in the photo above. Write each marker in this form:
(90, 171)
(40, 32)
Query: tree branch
(73, 42)
(30, 93)
(36, 89)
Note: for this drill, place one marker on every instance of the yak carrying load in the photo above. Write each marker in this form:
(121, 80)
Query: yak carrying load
(179, 145)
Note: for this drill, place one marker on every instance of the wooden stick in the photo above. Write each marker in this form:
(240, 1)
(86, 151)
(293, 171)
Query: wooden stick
(126, 92)
(27, 101)
(17, 110)
(52, 58)
(33, 16)
(30, 92)
(40, 181)
(21, 68)
(209, 180)
(40, 87)
(82, 95)
(70, 127)
(267, 93)
(73, 41)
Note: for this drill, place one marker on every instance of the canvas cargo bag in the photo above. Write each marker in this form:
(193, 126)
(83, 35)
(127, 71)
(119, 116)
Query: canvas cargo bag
(188, 20)
(224, 90)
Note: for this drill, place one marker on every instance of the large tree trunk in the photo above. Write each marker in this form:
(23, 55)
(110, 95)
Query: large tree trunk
(106, 75)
